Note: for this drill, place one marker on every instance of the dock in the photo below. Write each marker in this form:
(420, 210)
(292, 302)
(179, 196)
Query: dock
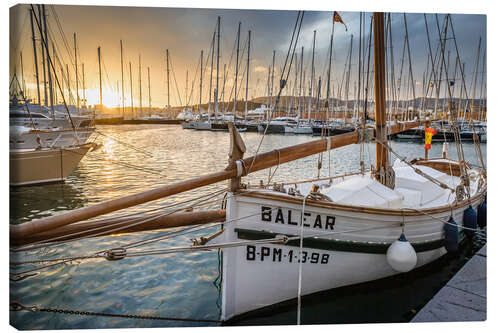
(463, 298)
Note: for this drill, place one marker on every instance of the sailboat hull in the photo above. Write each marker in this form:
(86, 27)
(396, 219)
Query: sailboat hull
(261, 274)
(28, 167)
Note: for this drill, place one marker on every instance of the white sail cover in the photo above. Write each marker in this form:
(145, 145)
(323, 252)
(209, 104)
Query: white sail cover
(364, 191)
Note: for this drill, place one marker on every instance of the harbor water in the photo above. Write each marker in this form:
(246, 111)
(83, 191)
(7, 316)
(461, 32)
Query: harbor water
(134, 158)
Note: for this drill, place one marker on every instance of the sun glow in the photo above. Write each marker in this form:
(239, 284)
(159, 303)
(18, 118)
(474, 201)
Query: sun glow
(110, 98)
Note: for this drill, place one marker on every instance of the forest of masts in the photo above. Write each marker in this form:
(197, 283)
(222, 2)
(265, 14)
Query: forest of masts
(311, 91)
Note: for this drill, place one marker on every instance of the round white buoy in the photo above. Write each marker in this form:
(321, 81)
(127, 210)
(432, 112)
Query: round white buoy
(401, 255)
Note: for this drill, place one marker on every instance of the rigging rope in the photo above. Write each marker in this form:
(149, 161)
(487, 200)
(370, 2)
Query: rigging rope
(296, 36)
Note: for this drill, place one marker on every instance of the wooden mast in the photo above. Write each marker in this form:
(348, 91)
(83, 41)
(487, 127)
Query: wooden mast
(379, 63)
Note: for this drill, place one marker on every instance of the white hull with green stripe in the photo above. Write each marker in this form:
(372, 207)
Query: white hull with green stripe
(344, 242)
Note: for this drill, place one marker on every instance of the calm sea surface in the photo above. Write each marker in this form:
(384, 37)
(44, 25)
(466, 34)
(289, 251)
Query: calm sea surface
(134, 158)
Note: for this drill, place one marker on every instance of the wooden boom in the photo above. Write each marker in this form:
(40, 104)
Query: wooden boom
(256, 163)
(129, 224)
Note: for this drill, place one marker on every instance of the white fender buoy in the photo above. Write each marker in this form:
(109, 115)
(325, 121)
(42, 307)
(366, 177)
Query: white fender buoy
(401, 255)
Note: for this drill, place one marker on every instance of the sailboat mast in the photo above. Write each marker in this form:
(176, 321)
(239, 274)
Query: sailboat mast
(83, 83)
(140, 87)
(69, 87)
(201, 81)
(329, 77)
(359, 63)
(481, 100)
(475, 76)
(45, 93)
(268, 86)
(248, 73)
(224, 72)
(123, 88)
(272, 78)
(49, 74)
(187, 75)
(216, 98)
(35, 56)
(211, 77)
(379, 64)
(410, 78)
(100, 75)
(168, 85)
(312, 79)
(131, 94)
(236, 72)
(22, 74)
(301, 79)
(149, 92)
(347, 82)
(76, 72)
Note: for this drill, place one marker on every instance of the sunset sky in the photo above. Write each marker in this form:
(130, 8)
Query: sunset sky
(148, 32)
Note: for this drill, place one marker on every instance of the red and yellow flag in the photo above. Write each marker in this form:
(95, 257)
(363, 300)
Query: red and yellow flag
(429, 132)
(337, 18)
